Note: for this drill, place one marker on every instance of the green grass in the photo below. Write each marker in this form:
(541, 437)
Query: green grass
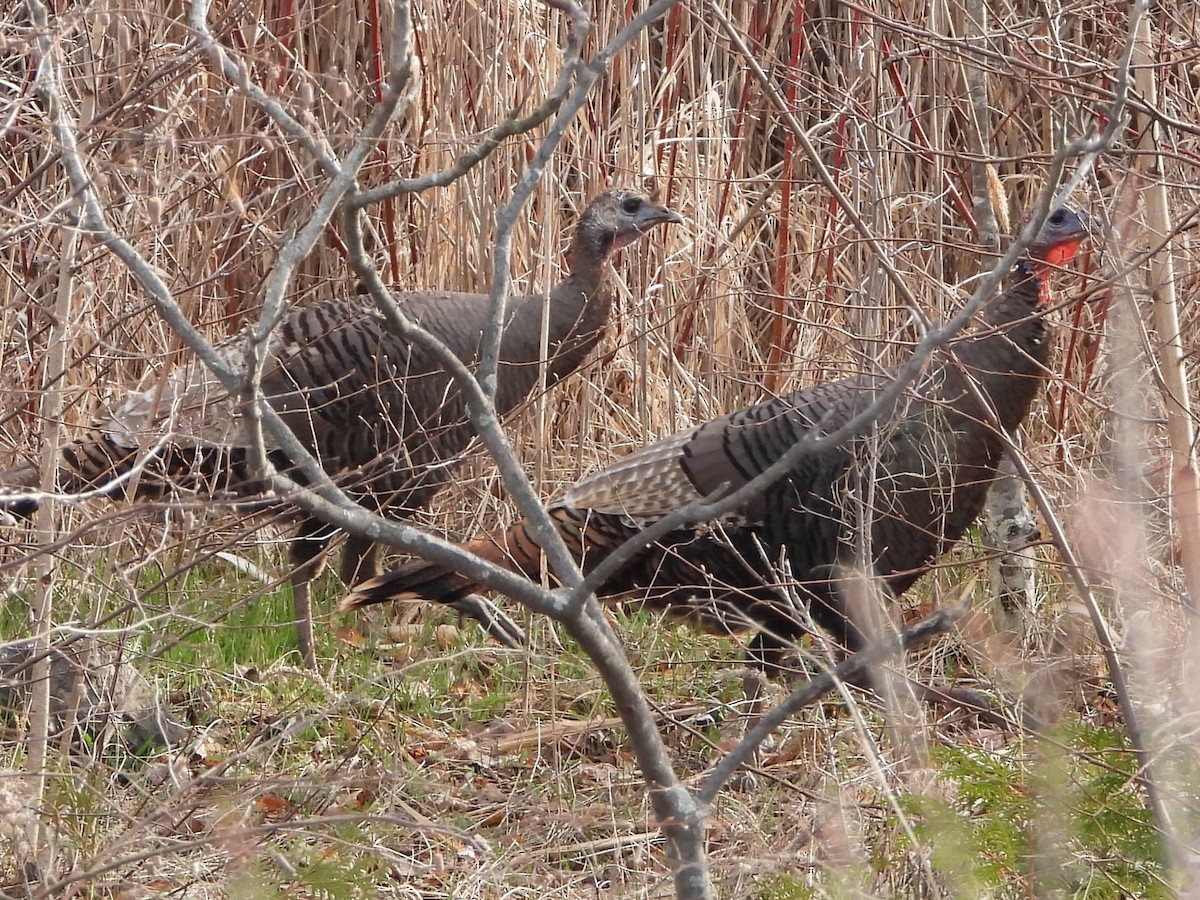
(396, 733)
(1062, 819)
(786, 888)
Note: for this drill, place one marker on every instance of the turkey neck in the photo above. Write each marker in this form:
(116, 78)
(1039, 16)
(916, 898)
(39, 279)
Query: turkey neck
(1009, 360)
(578, 312)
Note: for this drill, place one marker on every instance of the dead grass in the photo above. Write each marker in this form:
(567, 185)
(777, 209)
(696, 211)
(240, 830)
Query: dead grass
(461, 770)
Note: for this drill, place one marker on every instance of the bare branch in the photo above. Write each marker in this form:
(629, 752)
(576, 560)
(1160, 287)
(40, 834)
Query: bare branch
(298, 248)
(317, 147)
(506, 216)
(680, 815)
(514, 123)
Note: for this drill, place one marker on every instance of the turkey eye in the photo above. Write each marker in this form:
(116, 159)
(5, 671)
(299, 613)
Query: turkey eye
(1058, 217)
(631, 205)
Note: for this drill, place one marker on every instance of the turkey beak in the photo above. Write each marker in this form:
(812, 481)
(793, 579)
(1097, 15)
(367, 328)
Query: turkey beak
(660, 215)
(1083, 234)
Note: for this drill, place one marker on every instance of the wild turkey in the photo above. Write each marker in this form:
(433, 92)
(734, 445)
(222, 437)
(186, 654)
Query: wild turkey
(924, 472)
(374, 409)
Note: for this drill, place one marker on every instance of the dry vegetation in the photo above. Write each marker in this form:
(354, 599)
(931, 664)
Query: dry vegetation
(441, 766)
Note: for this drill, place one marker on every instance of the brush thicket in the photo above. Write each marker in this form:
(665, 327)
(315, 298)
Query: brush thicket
(766, 287)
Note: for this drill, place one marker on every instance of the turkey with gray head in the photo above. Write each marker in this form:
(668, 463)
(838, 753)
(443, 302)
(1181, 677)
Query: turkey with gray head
(911, 484)
(379, 413)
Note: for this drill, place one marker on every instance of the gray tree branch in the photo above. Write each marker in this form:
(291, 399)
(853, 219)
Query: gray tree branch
(848, 670)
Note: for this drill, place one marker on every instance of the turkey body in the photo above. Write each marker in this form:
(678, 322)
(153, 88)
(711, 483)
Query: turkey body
(380, 414)
(890, 500)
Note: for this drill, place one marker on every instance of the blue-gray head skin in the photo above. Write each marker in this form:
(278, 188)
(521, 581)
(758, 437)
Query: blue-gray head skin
(1056, 244)
(614, 219)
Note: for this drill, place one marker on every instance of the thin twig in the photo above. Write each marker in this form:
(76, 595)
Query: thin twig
(316, 146)
(513, 124)
(847, 671)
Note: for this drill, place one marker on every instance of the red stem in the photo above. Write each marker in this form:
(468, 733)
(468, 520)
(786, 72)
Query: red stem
(924, 146)
(381, 151)
(781, 323)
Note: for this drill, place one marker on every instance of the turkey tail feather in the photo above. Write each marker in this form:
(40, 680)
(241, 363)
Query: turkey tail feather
(421, 580)
(417, 580)
(98, 463)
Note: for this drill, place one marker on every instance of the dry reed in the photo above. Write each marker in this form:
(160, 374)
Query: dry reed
(766, 287)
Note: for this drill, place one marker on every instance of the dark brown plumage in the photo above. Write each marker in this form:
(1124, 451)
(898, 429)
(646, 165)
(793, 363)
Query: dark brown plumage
(923, 473)
(377, 412)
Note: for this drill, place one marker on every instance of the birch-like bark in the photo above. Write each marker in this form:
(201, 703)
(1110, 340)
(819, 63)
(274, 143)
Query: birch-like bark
(1148, 161)
(45, 567)
(1008, 525)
